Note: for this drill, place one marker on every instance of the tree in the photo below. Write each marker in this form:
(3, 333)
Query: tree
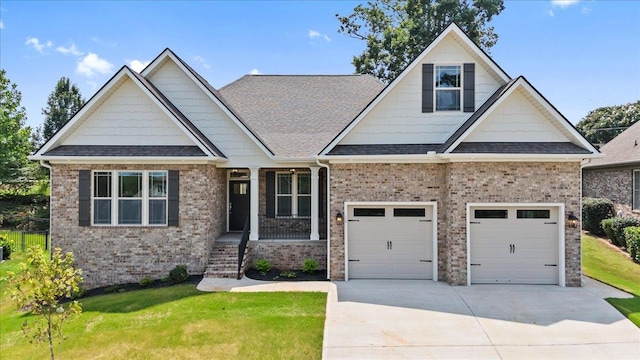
(397, 31)
(40, 287)
(603, 124)
(14, 136)
(63, 102)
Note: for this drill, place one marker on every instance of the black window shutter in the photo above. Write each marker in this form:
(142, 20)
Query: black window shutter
(84, 198)
(271, 194)
(469, 87)
(427, 88)
(173, 196)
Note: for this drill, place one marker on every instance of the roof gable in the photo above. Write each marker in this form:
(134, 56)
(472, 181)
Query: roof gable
(452, 34)
(127, 92)
(539, 122)
(209, 90)
(624, 149)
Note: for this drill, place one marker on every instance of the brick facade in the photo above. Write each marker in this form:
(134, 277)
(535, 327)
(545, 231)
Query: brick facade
(289, 254)
(615, 184)
(118, 254)
(452, 186)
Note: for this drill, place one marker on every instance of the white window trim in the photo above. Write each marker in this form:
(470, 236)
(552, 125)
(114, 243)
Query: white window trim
(294, 194)
(460, 88)
(635, 202)
(114, 198)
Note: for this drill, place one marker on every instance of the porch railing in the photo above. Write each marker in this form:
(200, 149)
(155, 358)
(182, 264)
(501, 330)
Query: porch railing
(243, 245)
(290, 227)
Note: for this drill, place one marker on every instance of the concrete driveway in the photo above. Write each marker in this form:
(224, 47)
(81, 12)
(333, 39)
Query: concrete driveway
(382, 319)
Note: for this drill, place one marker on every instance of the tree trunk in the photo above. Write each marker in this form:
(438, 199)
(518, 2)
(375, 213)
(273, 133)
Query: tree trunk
(49, 335)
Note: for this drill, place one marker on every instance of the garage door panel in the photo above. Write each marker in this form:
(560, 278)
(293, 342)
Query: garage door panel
(390, 246)
(515, 249)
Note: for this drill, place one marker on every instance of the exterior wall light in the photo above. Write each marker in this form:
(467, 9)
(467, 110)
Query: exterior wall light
(339, 218)
(572, 220)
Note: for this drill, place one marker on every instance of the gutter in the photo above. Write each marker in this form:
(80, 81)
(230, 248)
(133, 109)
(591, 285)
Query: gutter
(328, 216)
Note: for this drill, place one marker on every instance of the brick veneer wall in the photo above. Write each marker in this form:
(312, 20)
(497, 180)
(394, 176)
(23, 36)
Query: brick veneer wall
(615, 184)
(115, 254)
(453, 186)
(289, 254)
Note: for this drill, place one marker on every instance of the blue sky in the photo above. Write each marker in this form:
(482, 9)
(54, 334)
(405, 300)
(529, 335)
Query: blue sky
(579, 54)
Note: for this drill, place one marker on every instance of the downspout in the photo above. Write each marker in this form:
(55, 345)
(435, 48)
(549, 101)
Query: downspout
(328, 216)
(47, 164)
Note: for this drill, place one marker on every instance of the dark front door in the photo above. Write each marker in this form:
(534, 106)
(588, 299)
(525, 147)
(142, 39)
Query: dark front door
(239, 204)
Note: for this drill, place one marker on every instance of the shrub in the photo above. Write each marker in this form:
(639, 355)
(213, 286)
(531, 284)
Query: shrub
(263, 266)
(7, 248)
(593, 212)
(618, 225)
(607, 227)
(178, 275)
(310, 266)
(146, 281)
(632, 236)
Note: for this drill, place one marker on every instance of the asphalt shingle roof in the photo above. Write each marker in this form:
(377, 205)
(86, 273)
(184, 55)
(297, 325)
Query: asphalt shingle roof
(385, 149)
(125, 150)
(297, 115)
(519, 148)
(622, 150)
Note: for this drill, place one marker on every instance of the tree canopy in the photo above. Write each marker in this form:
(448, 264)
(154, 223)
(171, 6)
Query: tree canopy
(63, 102)
(603, 124)
(397, 31)
(14, 136)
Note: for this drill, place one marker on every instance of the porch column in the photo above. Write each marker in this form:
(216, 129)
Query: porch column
(314, 203)
(253, 214)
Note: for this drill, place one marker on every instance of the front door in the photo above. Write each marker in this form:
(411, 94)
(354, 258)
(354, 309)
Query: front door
(239, 204)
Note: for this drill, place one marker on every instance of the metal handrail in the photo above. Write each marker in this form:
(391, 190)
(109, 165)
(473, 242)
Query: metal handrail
(243, 245)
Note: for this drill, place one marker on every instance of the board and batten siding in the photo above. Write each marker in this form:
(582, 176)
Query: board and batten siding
(398, 118)
(203, 112)
(517, 119)
(128, 117)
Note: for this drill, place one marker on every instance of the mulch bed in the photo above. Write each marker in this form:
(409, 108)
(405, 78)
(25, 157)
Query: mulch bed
(279, 275)
(120, 288)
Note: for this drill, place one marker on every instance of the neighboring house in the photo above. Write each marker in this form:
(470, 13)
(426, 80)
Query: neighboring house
(454, 171)
(616, 175)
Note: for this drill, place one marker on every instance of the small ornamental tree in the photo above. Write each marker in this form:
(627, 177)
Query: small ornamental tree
(40, 286)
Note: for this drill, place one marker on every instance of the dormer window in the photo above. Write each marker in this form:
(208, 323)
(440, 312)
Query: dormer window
(448, 87)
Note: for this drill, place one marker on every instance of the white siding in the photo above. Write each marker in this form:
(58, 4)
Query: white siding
(398, 118)
(517, 119)
(128, 117)
(207, 116)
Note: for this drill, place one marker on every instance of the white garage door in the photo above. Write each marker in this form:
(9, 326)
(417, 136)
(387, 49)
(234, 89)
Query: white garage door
(390, 242)
(517, 245)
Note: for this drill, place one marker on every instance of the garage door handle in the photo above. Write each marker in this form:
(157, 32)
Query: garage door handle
(425, 260)
(350, 260)
(550, 264)
(476, 264)
(425, 220)
(353, 220)
(551, 223)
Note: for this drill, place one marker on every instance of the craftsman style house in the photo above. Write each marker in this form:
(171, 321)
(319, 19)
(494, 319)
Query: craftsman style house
(454, 171)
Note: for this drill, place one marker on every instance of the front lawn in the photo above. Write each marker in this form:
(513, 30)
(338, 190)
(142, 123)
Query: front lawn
(178, 322)
(610, 266)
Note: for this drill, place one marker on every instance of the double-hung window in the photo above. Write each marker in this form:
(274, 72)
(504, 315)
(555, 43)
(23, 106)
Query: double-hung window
(293, 194)
(448, 87)
(130, 197)
(636, 189)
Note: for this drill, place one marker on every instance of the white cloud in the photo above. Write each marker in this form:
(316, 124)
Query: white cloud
(37, 45)
(314, 34)
(91, 65)
(1, 25)
(563, 3)
(255, 72)
(202, 61)
(71, 50)
(138, 65)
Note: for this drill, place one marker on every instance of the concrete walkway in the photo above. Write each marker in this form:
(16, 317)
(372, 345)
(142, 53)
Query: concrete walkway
(405, 319)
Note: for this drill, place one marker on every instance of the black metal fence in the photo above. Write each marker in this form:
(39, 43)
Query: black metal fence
(32, 231)
(290, 227)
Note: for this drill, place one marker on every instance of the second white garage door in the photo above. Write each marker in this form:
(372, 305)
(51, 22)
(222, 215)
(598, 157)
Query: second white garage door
(390, 242)
(517, 245)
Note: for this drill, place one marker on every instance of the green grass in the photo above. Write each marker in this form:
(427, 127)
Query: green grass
(178, 322)
(609, 266)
